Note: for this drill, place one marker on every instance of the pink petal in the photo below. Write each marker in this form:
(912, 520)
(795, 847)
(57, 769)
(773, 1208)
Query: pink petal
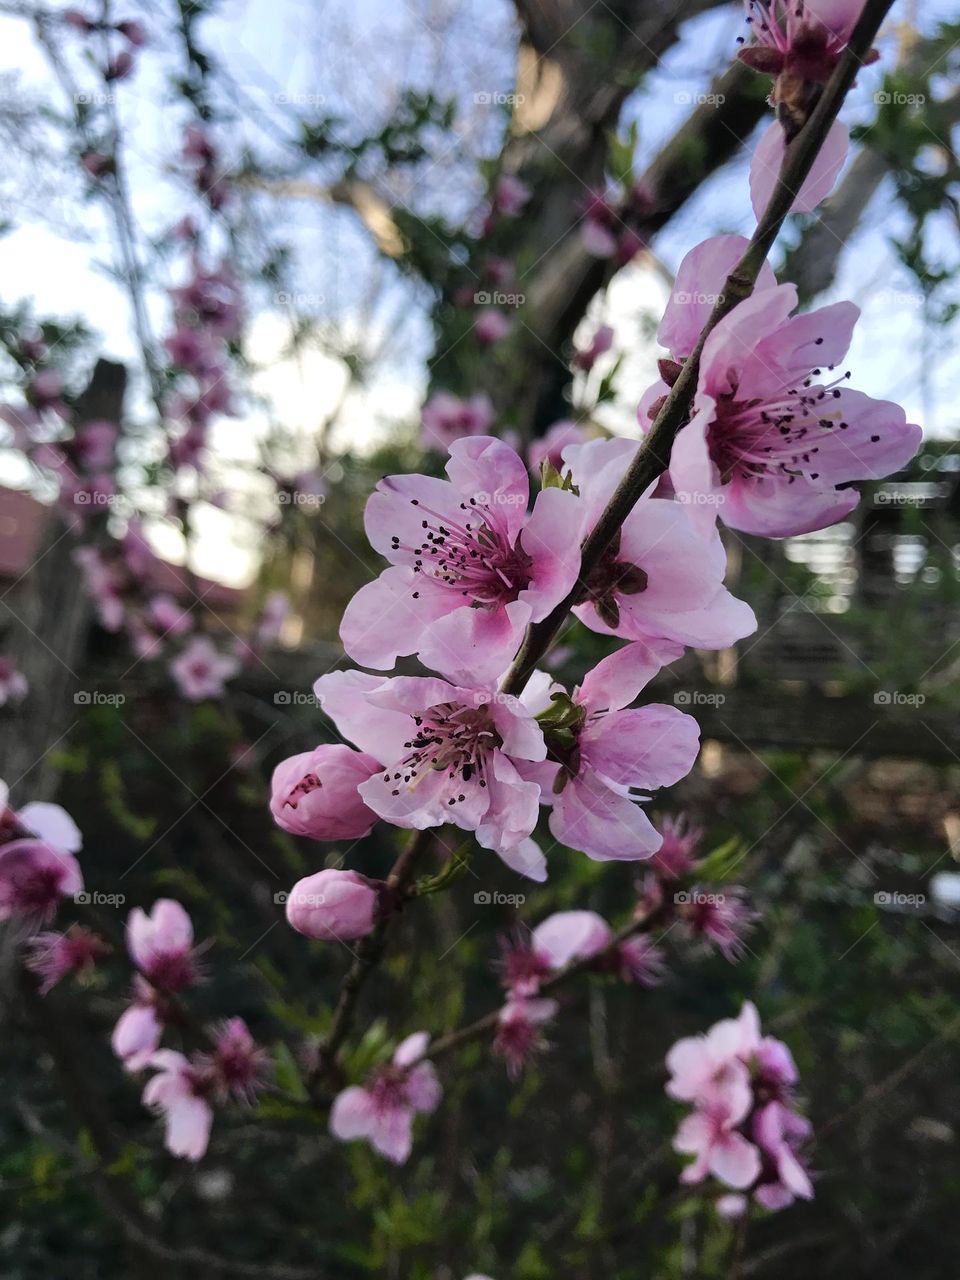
(526, 858)
(571, 935)
(616, 680)
(654, 746)
(352, 1115)
(591, 817)
(768, 158)
(52, 824)
(735, 1161)
(700, 279)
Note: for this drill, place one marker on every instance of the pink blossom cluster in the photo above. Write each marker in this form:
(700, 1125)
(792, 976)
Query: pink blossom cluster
(382, 1110)
(38, 866)
(183, 1087)
(744, 1129)
(121, 63)
(612, 221)
(562, 939)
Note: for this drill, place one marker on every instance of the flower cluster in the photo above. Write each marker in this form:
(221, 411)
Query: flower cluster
(382, 1110)
(183, 1089)
(562, 939)
(37, 862)
(744, 1129)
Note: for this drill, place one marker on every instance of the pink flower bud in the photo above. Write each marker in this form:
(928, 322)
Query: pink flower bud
(332, 904)
(315, 794)
(160, 944)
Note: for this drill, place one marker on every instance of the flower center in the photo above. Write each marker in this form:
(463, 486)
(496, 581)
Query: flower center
(778, 436)
(472, 555)
(611, 578)
(450, 738)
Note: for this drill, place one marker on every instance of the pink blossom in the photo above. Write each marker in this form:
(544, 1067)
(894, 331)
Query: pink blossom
(237, 1066)
(742, 1129)
(641, 961)
(334, 905)
(104, 586)
(567, 936)
(599, 227)
(133, 31)
(601, 342)
(161, 944)
(721, 919)
(34, 876)
(119, 67)
(13, 684)
(805, 39)
(491, 326)
(674, 859)
(598, 752)
(210, 301)
(201, 670)
(178, 1092)
(510, 195)
(698, 285)
(96, 163)
(711, 1135)
(169, 617)
(657, 578)
(708, 1067)
(522, 967)
(276, 609)
(778, 1132)
(767, 161)
(470, 567)
(193, 350)
(74, 18)
(774, 432)
(450, 755)
(55, 955)
(519, 1034)
(94, 445)
(315, 794)
(136, 1037)
(550, 446)
(447, 418)
(382, 1111)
